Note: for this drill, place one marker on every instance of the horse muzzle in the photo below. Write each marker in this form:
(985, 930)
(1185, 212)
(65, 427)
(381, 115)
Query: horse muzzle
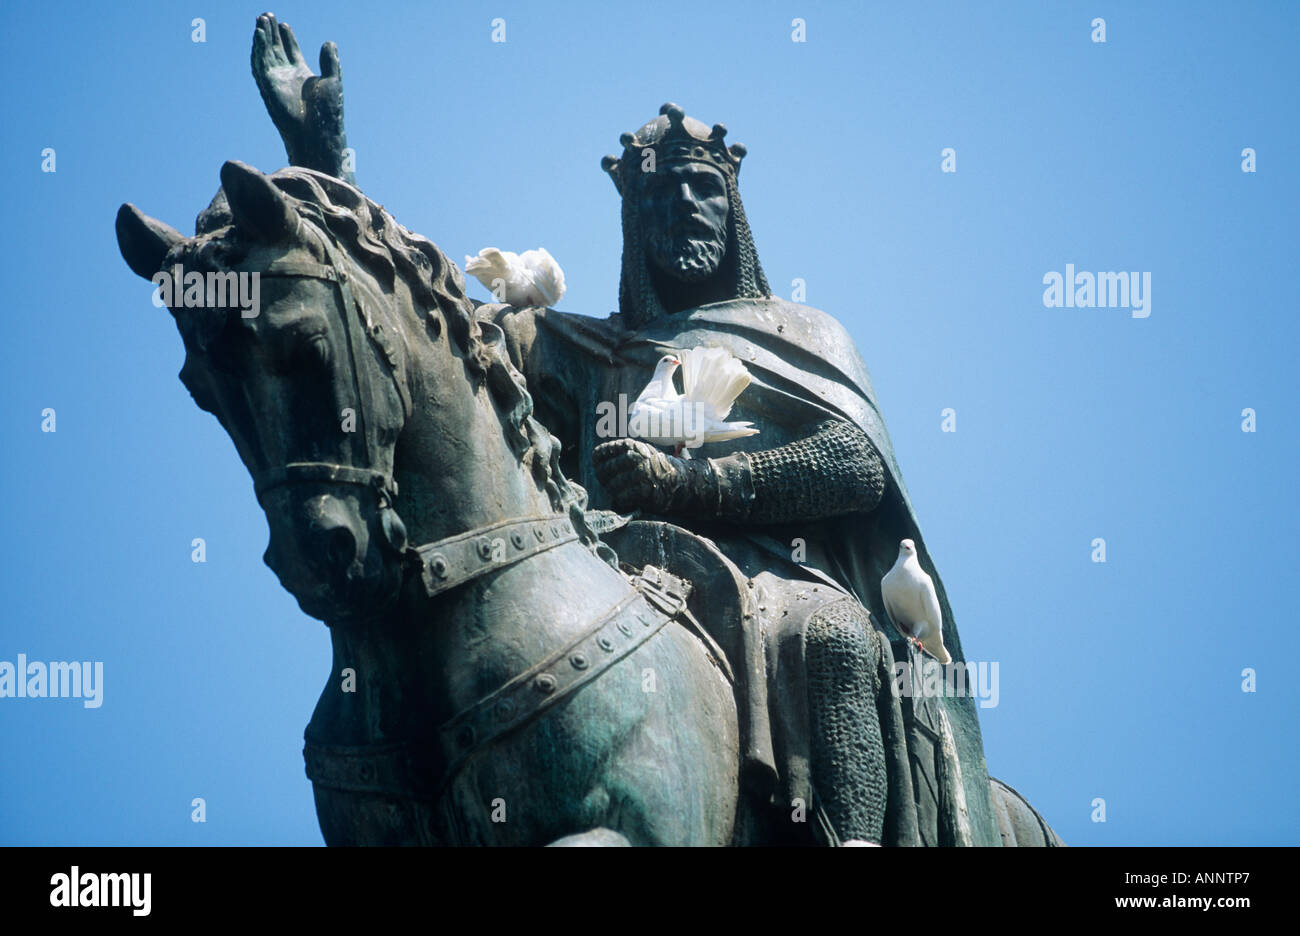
(339, 555)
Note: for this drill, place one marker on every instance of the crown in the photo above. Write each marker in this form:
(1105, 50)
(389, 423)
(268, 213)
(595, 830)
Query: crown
(674, 137)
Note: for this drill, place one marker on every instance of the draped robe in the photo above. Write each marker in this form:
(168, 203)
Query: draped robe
(805, 370)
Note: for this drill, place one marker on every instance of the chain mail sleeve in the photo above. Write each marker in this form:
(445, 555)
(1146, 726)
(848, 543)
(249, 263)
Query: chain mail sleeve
(833, 471)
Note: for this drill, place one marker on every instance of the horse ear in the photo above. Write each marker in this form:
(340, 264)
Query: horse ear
(144, 241)
(258, 207)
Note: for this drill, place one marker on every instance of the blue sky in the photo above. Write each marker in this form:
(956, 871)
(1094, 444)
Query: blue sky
(1119, 680)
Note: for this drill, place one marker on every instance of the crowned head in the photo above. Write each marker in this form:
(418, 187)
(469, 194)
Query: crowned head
(686, 240)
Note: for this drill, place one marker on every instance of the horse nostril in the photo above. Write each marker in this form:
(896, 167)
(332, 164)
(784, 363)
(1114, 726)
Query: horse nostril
(340, 547)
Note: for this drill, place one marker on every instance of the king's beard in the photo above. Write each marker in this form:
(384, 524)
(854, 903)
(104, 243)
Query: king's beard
(688, 258)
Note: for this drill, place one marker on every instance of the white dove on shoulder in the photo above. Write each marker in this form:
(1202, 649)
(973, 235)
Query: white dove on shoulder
(531, 279)
(712, 378)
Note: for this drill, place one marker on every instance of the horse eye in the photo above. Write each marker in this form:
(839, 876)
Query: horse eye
(315, 352)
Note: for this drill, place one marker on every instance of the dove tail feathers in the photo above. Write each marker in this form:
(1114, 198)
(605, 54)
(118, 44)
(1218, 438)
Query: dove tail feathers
(736, 430)
(488, 264)
(713, 376)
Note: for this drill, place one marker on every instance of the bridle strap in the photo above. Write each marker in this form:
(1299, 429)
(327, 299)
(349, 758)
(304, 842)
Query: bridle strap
(295, 472)
(301, 269)
(354, 322)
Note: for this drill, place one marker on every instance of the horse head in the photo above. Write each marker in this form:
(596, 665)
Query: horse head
(360, 333)
(309, 380)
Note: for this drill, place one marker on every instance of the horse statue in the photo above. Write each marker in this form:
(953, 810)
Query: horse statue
(516, 683)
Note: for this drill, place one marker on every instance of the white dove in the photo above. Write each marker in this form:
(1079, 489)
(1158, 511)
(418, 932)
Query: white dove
(712, 378)
(531, 279)
(912, 602)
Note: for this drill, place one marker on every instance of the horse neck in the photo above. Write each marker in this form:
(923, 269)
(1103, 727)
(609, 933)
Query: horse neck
(454, 464)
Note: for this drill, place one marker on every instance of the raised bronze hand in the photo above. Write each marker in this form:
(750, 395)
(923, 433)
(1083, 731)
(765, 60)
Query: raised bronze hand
(306, 109)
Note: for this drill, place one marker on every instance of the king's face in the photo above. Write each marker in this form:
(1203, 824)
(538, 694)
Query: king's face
(684, 209)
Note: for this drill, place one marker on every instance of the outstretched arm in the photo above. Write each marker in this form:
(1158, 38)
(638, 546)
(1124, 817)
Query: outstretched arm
(832, 471)
(305, 108)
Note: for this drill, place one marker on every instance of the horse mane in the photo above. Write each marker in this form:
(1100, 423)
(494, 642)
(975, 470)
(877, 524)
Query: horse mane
(386, 249)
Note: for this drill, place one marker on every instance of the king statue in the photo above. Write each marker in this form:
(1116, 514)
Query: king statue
(810, 510)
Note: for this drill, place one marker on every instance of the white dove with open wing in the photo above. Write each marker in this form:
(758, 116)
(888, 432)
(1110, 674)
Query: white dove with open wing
(531, 279)
(912, 602)
(712, 378)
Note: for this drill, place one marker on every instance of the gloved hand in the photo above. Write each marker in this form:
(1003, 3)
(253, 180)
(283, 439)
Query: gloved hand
(638, 475)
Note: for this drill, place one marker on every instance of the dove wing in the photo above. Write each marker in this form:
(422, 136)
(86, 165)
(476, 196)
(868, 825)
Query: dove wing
(887, 593)
(714, 377)
(491, 264)
(489, 261)
(545, 274)
(654, 421)
(928, 604)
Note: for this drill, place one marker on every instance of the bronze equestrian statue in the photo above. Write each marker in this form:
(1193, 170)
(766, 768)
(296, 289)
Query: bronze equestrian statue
(561, 637)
